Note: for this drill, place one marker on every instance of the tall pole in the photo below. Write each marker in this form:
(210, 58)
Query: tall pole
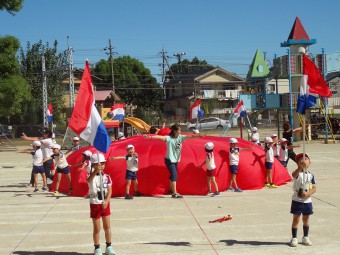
(325, 100)
(71, 77)
(111, 52)
(44, 92)
(290, 92)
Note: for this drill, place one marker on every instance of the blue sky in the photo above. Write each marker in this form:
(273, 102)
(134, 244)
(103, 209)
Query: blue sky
(224, 33)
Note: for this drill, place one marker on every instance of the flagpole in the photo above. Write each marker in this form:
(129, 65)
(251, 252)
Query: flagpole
(101, 178)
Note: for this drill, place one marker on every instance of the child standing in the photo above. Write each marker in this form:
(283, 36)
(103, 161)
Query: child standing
(85, 162)
(100, 188)
(38, 167)
(255, 136)
(283, 154)
(131, 171)
(276, 147)
(211, 169)
(268, 147)
(76, 146)
(304, 186)
(62, 167)
(234, 158)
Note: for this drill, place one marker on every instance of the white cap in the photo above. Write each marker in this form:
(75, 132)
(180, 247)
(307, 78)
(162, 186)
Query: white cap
(130, 146)
(254, 129)
(195, 131)
(87, 153)
(268, 140)
(76, 138)
(95, 159)
(120, 134)
(232, 140)
(282, 140)
(36, 143)
(209, 146)
(274, 135)
(56, 146)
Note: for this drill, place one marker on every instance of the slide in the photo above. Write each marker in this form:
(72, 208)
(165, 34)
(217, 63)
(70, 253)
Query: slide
(138, 124)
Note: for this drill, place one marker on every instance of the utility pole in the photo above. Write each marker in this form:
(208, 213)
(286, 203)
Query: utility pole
(179, 55)
(44, 92)
(111, 52)
(70, 72)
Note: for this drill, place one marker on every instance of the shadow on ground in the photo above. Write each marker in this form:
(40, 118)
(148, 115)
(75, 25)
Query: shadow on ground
(254, 243)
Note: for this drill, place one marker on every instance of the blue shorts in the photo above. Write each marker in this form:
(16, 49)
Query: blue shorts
(284, 163)
(298, 208)
(129, 175)
(38, 169)
(65, 170)
(233, 169)
(172, 168)
(269, 165)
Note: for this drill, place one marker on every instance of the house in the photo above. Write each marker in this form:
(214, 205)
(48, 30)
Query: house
(217, 88)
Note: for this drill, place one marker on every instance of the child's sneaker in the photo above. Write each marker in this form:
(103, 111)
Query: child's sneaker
(267, 184)
(238, 190)
(306, 241)
(44, 188)
(36, 190)
(127, 196)
(294, 242)
(231, 189)
(210, 193)
(138, 194)
(98, 251)
(273, 186)
(216, 194)
(176, 196)
(55, 193)
(109, 251)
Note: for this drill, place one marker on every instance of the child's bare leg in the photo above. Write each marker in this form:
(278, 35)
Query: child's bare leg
(270, 178)
(135, 184)
(58, 181)
(96, 231)
(43, 175)
(213, 179)
(296, 219)
(68, 177)
(233, 177)
(36, 180)
(107, 228)
(127, 187)
(209, 183)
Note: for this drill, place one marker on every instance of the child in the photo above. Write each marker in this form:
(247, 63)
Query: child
(234, 159)
(76, 146)
(100, 188)
(255, 136)
(283, 154)
(211, 167)
(38, 167)
(62, 167)
(131, 171)
(304, 186)
(276, 147)
(85, 163)
(268, 147)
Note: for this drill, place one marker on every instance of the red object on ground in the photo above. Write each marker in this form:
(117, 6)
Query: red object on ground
(153, 176)
(220, 220)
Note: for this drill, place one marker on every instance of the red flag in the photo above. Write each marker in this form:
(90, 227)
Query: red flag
(315, 81)
(49, 113)
(195, 108)
(238, 106)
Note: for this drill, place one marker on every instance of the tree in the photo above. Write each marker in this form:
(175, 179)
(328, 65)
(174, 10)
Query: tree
(133, 82)
(185, 66)
(13, 87)
(31, 66)
(12, 6)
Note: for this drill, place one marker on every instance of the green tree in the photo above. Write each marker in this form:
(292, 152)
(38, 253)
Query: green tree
(31, 66)
(186, 66)
(13, 87)
(12, 6)
(133, 82)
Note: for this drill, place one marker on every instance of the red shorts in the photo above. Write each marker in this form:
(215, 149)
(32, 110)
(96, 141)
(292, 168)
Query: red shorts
(97, 211)
(211, 172)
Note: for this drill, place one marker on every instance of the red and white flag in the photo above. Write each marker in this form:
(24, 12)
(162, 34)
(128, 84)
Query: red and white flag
(194, 109)
(50, 113)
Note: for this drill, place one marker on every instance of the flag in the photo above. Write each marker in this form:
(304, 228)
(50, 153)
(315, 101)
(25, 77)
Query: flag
(311, 84)
(50, 113)
(240, 109)
(118, 111)
(85, 120)
(195, 108)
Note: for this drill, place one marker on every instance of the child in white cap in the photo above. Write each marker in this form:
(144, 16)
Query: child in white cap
(38, 167)
(284, 148)
(255, 136)
(131, 170)
(62, 167)
(100, 189)
(211, 169)
(121, 136)
(268, 148)
(85, 163)
(75, 145)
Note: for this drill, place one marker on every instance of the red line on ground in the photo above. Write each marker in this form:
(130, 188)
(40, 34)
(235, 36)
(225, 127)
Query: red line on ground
(212, 246)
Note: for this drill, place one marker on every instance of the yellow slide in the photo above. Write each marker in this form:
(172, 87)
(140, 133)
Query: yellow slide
(138, 124)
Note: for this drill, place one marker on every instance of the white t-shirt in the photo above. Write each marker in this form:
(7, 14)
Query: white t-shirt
(234, 157)
(37, 157)
(283, 153)
(94, 188)
(132, 162)
(255, 137)
(46, 147)
(276, 149)
(306, 182)
(210, 161)
(62, 163)
(269, 153)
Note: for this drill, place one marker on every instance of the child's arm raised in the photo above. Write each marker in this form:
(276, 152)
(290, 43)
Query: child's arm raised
(118, 157)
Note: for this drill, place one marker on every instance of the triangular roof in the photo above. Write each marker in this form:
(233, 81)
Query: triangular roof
(258, 68)
(298, 35)
(201, 76)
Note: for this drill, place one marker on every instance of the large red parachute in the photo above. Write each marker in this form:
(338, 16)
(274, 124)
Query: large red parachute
(153, 176)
